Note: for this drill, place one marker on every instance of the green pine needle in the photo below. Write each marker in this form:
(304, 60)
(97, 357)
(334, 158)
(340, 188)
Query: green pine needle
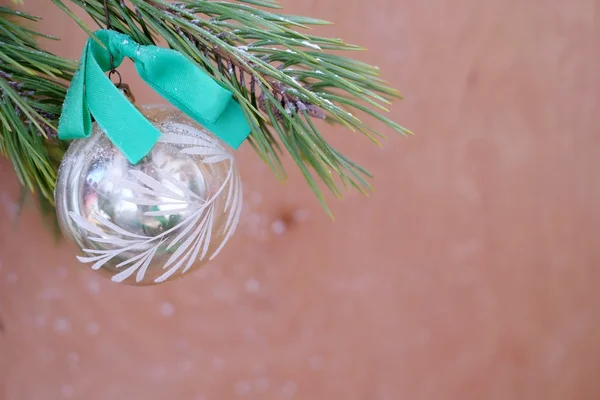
(32, 89)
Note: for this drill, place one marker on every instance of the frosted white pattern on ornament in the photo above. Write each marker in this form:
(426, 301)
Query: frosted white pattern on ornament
(159, 219)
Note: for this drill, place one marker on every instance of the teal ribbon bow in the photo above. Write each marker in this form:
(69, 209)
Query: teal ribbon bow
(168, 72)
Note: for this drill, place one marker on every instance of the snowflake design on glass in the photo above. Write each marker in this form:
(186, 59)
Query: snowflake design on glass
(188, 241)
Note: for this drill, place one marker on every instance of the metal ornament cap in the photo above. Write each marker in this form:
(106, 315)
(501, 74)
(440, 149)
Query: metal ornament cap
(160, 219)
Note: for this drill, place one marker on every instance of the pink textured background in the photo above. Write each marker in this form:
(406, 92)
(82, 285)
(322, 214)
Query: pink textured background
(471, 273)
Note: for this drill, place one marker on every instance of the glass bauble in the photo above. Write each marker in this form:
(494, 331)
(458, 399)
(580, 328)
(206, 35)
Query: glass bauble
(157, 220)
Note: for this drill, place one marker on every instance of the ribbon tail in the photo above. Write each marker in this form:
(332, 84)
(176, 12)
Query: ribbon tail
(124, 125)
(178, 80)
(232, 125)
(75, 121)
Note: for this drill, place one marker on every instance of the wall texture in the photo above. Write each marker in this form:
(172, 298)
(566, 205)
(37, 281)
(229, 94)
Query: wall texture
(471, 272)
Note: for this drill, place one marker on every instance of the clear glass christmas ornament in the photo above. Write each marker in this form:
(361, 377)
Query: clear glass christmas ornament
(148, 223)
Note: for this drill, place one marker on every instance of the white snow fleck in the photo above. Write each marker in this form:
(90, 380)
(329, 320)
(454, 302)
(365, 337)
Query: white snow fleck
(62, 272)
(51, 294)
(242, 388)
(289, 389)
(224, 292)
(67, 391)
(11, 207)
(92, 328)
(218, 363)
(73, 359)
(255, 197)
(39, 320)
(278, 227)
(62, 325)
(252, 285)
(301, 215)
(12, 277)
(93, 286)
(261, 385)
(167, 309)
(315, 363)
(290, 51)
(181, 344)
(186, 364)
(423, 336)
(312, 45)
(47, 356)
(157, 371)
(319, 72)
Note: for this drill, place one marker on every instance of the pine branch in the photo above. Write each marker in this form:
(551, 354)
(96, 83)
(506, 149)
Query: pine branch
(32, 89)
(283, 77)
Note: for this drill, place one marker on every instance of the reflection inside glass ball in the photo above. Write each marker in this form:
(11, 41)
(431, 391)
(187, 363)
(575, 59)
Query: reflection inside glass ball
(104, 194)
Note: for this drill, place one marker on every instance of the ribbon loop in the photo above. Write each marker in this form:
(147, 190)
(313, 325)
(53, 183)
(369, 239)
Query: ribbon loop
(168, 72)
(125, 47)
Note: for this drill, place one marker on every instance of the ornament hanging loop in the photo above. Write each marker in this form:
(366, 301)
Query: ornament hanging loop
(113, 70)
